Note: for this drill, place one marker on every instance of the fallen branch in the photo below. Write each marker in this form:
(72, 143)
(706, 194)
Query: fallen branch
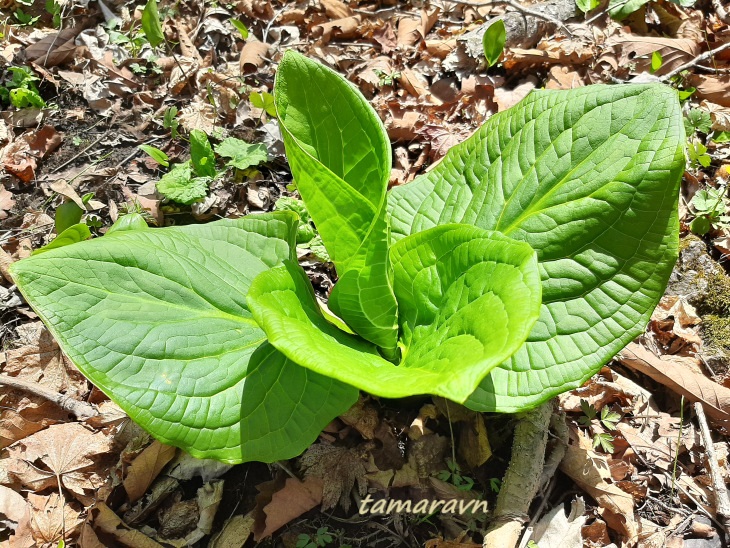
(722, 501)
(721, 11)
(522, 479)
(694, 62)
(79, 409)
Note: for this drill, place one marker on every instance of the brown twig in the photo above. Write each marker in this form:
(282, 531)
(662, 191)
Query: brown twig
(722, 500)
(80, 409)
(694, 62)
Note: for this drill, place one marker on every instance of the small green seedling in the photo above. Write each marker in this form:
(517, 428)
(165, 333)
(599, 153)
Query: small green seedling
(510, 272)
(711, 210)
(454, 476)
(170, 122)
(607, 419)
(697, 119)
(264, 101)
(20, 91)
(321, 538)
(698, 156)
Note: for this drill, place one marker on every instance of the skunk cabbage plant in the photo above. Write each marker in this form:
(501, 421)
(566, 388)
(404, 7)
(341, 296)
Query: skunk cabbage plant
(510, 272)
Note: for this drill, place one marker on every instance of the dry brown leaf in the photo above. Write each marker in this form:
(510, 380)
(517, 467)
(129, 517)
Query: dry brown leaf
(562, 77)
(253, 56)
(335, 9)
(288, 503)
(440, 48)
(442, 138)
(695, 387)
(591, 471)
(338, 468)
(234, 533)
(508, 98)
(259, 9)
(106, 521)
(416, 85)
(53, 49)
(348, 27)
(40, 360)
(12, 507)
(20, 157)
(473, 441)
(385, 36)
(715, 89)
(62, 451)
(676, 315)
(412, 30)
(22, 416)
(653, 449)
(145, 468)
(636, 52)
(363, 417)
(51, 516)
(6, 202)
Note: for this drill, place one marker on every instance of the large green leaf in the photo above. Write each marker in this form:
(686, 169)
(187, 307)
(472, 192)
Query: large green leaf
(468, 299)
(158, 319)
(589, 178)
(340, 158)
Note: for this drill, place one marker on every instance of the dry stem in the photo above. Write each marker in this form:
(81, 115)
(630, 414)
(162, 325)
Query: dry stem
(80, 409)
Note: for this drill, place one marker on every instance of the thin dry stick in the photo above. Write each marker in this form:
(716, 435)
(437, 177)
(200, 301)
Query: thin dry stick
(695, 61)
(518, 7)
(722, 501)
(80, 409)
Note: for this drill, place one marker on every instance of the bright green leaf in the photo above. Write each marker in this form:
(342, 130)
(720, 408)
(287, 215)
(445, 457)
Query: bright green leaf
(240, 27)
(468, 299)
(339, 155)
(201, 154)
(242, 154)
(158, 319)
(131, 221)
(590, 179)
(621, 9)
(73, 234)
(263, 101)
(67, 215)
(700, 225)
(151, 24)
(26, 98)
(179, 185)
(586, 5)
(156, 154)
(493, 41)
(656, 61)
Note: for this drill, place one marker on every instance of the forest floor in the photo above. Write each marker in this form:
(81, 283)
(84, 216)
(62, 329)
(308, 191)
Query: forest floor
(90, 89)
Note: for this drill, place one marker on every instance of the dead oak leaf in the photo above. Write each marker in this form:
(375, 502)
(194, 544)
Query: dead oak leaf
(339, 468)
(6, 202)
(51, 517)
(62, 453)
